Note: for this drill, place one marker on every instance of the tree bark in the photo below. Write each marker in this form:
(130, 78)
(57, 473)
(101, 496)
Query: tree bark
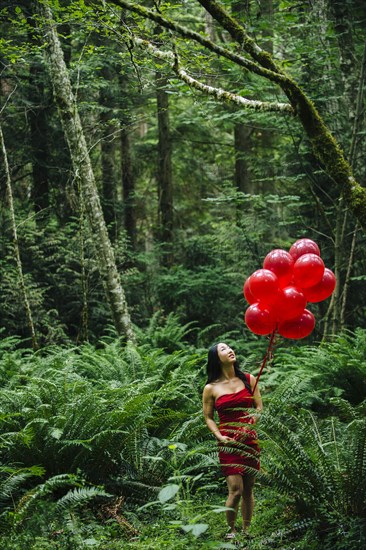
(353, 88)
(72, 127)
(348, 63)
(266, 11)
(242, 141)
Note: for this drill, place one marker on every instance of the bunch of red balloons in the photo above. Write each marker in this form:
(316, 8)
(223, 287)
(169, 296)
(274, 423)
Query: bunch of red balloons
(278, 293)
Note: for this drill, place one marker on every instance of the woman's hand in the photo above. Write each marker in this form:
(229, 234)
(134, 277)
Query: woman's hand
(225, 439)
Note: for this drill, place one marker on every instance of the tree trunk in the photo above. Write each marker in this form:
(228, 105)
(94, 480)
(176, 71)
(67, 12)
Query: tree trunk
(23, 289)
(38, 143)
(343, 30)
(242, 145)
(127, 164)
(72, 127)
(266, 12)
(84, 329)
(108, 147)
(128, 184)
(164, 176)
(38, 130)
(353, 87)
(242, 141)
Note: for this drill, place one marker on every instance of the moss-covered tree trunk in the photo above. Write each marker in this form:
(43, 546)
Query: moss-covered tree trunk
(22, 285)
(73, 130)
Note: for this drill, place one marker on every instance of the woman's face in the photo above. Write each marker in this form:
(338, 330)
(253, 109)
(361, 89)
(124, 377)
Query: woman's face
(226, 354)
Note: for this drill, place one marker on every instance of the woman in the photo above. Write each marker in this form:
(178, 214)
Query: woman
(230, 392)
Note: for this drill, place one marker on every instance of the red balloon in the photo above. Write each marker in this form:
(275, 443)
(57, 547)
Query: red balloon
(259, 319)
(308, 270)
(247, 294)
(298, 328)
(281, 263)
(323, 289)
(290, 304)
(263, 284)
(304, 246)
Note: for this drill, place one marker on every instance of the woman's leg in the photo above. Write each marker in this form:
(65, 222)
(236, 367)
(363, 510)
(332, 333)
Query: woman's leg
(235, 487)
(247, 504)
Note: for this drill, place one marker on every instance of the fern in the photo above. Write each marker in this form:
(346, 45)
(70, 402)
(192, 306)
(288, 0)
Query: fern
(79, 497)
(316, 462)
(13, 482)
(166, 333)
(336, 369)
(41, 491)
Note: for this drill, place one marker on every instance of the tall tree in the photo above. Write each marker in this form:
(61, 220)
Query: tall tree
(71, 122)
(164, 169)
(242, 134)
(18, 261)
(127, 164)
(38, 128)
(108, 147)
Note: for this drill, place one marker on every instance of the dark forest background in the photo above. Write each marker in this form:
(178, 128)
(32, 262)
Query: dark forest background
(194, 192)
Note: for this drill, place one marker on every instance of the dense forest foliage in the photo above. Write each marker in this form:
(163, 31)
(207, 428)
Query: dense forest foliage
(152, 154)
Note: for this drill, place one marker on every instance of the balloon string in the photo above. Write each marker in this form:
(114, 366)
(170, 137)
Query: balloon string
(267, 354)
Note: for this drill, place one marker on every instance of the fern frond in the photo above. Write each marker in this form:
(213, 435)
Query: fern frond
(79, 497)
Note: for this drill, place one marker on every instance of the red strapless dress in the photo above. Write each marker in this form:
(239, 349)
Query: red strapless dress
(241, 455)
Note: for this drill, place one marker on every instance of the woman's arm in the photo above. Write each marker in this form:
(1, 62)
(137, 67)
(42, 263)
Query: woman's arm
(257, 399)
(208, 402)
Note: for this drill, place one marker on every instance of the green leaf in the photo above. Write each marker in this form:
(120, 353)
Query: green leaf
(168, 492)
(196, 529)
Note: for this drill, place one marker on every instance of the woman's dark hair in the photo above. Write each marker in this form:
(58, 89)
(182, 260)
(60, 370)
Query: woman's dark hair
(214, 368)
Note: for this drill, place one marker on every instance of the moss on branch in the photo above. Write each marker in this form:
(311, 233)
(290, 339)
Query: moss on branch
(218, 93)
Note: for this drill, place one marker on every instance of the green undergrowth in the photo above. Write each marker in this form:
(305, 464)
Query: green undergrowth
(106, 447)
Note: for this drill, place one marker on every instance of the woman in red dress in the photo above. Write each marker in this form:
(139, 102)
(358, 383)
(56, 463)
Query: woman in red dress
(230, 392)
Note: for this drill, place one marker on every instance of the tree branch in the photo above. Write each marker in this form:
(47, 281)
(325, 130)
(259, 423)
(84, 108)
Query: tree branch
(324, 145)
(167, 23)
(218, 93)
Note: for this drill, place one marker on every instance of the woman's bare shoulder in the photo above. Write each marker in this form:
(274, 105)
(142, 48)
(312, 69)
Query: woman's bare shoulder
(209, 389)
(253, 381)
